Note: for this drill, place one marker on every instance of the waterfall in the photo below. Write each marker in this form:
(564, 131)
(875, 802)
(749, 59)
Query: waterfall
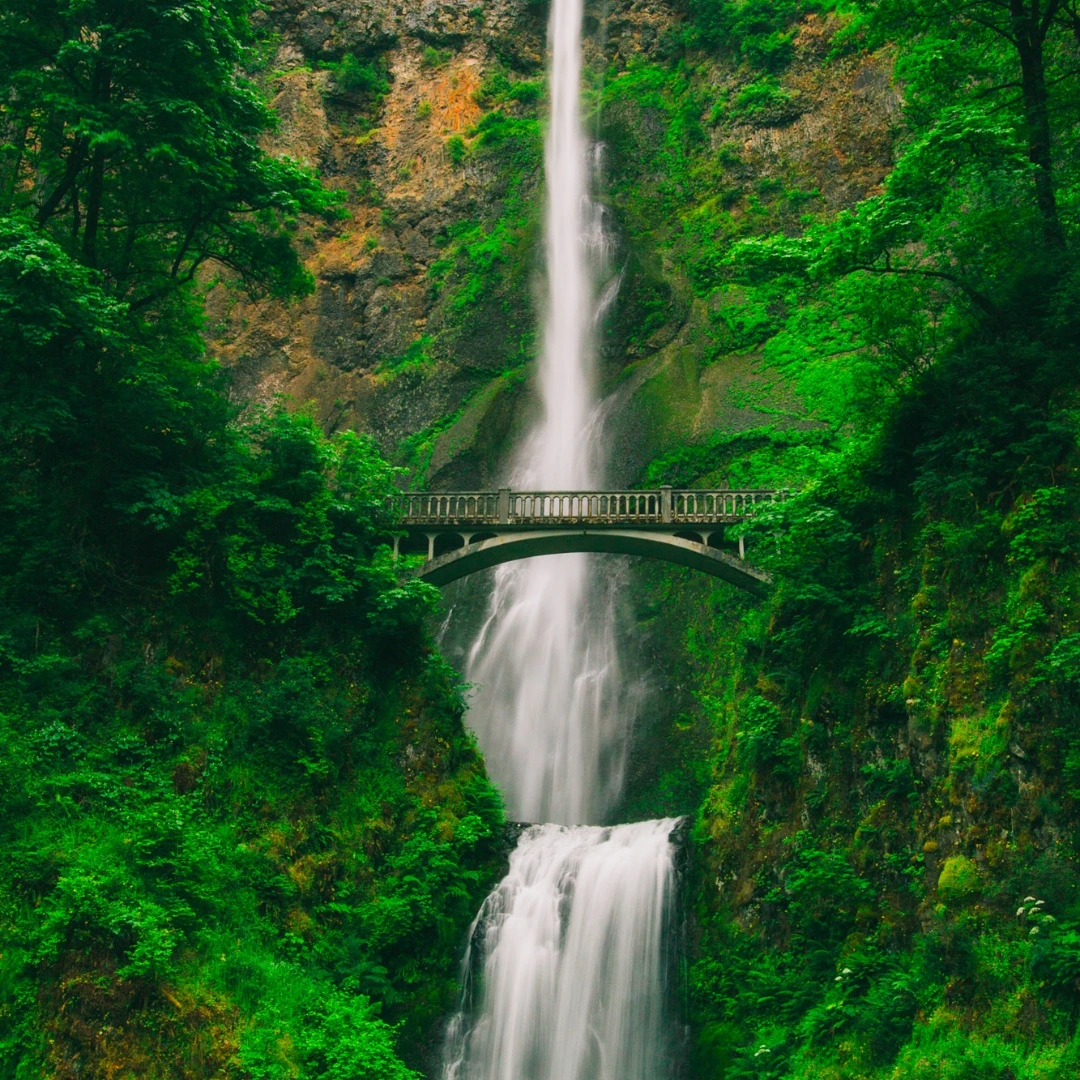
(551, 712)
(568, 962)
(566, 976)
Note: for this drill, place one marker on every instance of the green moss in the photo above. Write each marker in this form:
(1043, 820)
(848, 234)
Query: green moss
(959, 878)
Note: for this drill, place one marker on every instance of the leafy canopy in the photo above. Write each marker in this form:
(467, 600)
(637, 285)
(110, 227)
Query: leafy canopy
(130, 134)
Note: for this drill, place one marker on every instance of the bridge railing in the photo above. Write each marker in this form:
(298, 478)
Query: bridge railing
(506, 507)
(572, 507)
(709, 506)
(455, 508)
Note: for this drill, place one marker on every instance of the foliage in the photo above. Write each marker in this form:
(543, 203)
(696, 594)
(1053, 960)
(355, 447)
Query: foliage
(908, 695)
(134, 141)
(760, 31)
(242, 824)
(360, 76)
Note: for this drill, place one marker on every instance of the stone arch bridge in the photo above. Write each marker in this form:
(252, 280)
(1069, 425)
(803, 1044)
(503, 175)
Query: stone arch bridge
(462, 532)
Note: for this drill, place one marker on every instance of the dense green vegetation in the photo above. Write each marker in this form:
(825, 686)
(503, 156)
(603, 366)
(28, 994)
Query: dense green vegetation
(887, 879)
(242, 825)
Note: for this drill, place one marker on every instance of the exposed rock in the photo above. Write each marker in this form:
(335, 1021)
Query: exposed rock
(374, 300)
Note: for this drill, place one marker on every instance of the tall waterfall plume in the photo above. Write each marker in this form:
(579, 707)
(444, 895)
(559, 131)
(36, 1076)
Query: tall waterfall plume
(568, 970)
(552, 713)
(566, 977)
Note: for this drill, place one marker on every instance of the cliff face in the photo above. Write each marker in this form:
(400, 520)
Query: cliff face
(866, 755)
(421, 326)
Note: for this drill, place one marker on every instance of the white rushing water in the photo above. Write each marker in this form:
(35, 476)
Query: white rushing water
(567, 974)
(551, 713)
(568, 971)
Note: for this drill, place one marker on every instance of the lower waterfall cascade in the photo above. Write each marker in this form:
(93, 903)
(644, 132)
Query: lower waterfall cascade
(568, 971)
(567, 974)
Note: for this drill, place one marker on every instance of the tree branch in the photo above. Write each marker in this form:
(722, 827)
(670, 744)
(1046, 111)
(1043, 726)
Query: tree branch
(74, 167)
(984, 303)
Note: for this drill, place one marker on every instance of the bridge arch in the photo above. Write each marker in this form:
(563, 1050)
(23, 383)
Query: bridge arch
(468, 558)
(462, 532)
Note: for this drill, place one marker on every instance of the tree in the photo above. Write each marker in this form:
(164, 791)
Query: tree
(131, 136)
(1035, 33)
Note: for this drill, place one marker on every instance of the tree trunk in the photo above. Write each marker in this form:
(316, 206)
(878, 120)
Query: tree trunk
(74, 166)
(1029, 37)
(93, 205)
(95, 189)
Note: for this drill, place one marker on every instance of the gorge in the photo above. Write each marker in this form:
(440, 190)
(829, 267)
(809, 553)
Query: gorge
(573, 945)
(275, 807)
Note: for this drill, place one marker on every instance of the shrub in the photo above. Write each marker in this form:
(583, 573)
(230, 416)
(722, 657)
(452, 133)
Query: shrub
(959, 878)
(354, 75)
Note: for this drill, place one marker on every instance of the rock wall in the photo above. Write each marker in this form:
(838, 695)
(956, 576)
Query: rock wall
(439, 376)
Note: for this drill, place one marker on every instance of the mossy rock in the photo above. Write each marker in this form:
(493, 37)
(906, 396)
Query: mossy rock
(959, 879)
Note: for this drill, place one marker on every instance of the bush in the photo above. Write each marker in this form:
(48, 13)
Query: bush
(455, 149)
(360, 76)
(757, 30)
(762, 743)
(959, 878)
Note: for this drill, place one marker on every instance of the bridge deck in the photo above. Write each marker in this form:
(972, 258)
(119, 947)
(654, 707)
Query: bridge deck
(666, 508)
